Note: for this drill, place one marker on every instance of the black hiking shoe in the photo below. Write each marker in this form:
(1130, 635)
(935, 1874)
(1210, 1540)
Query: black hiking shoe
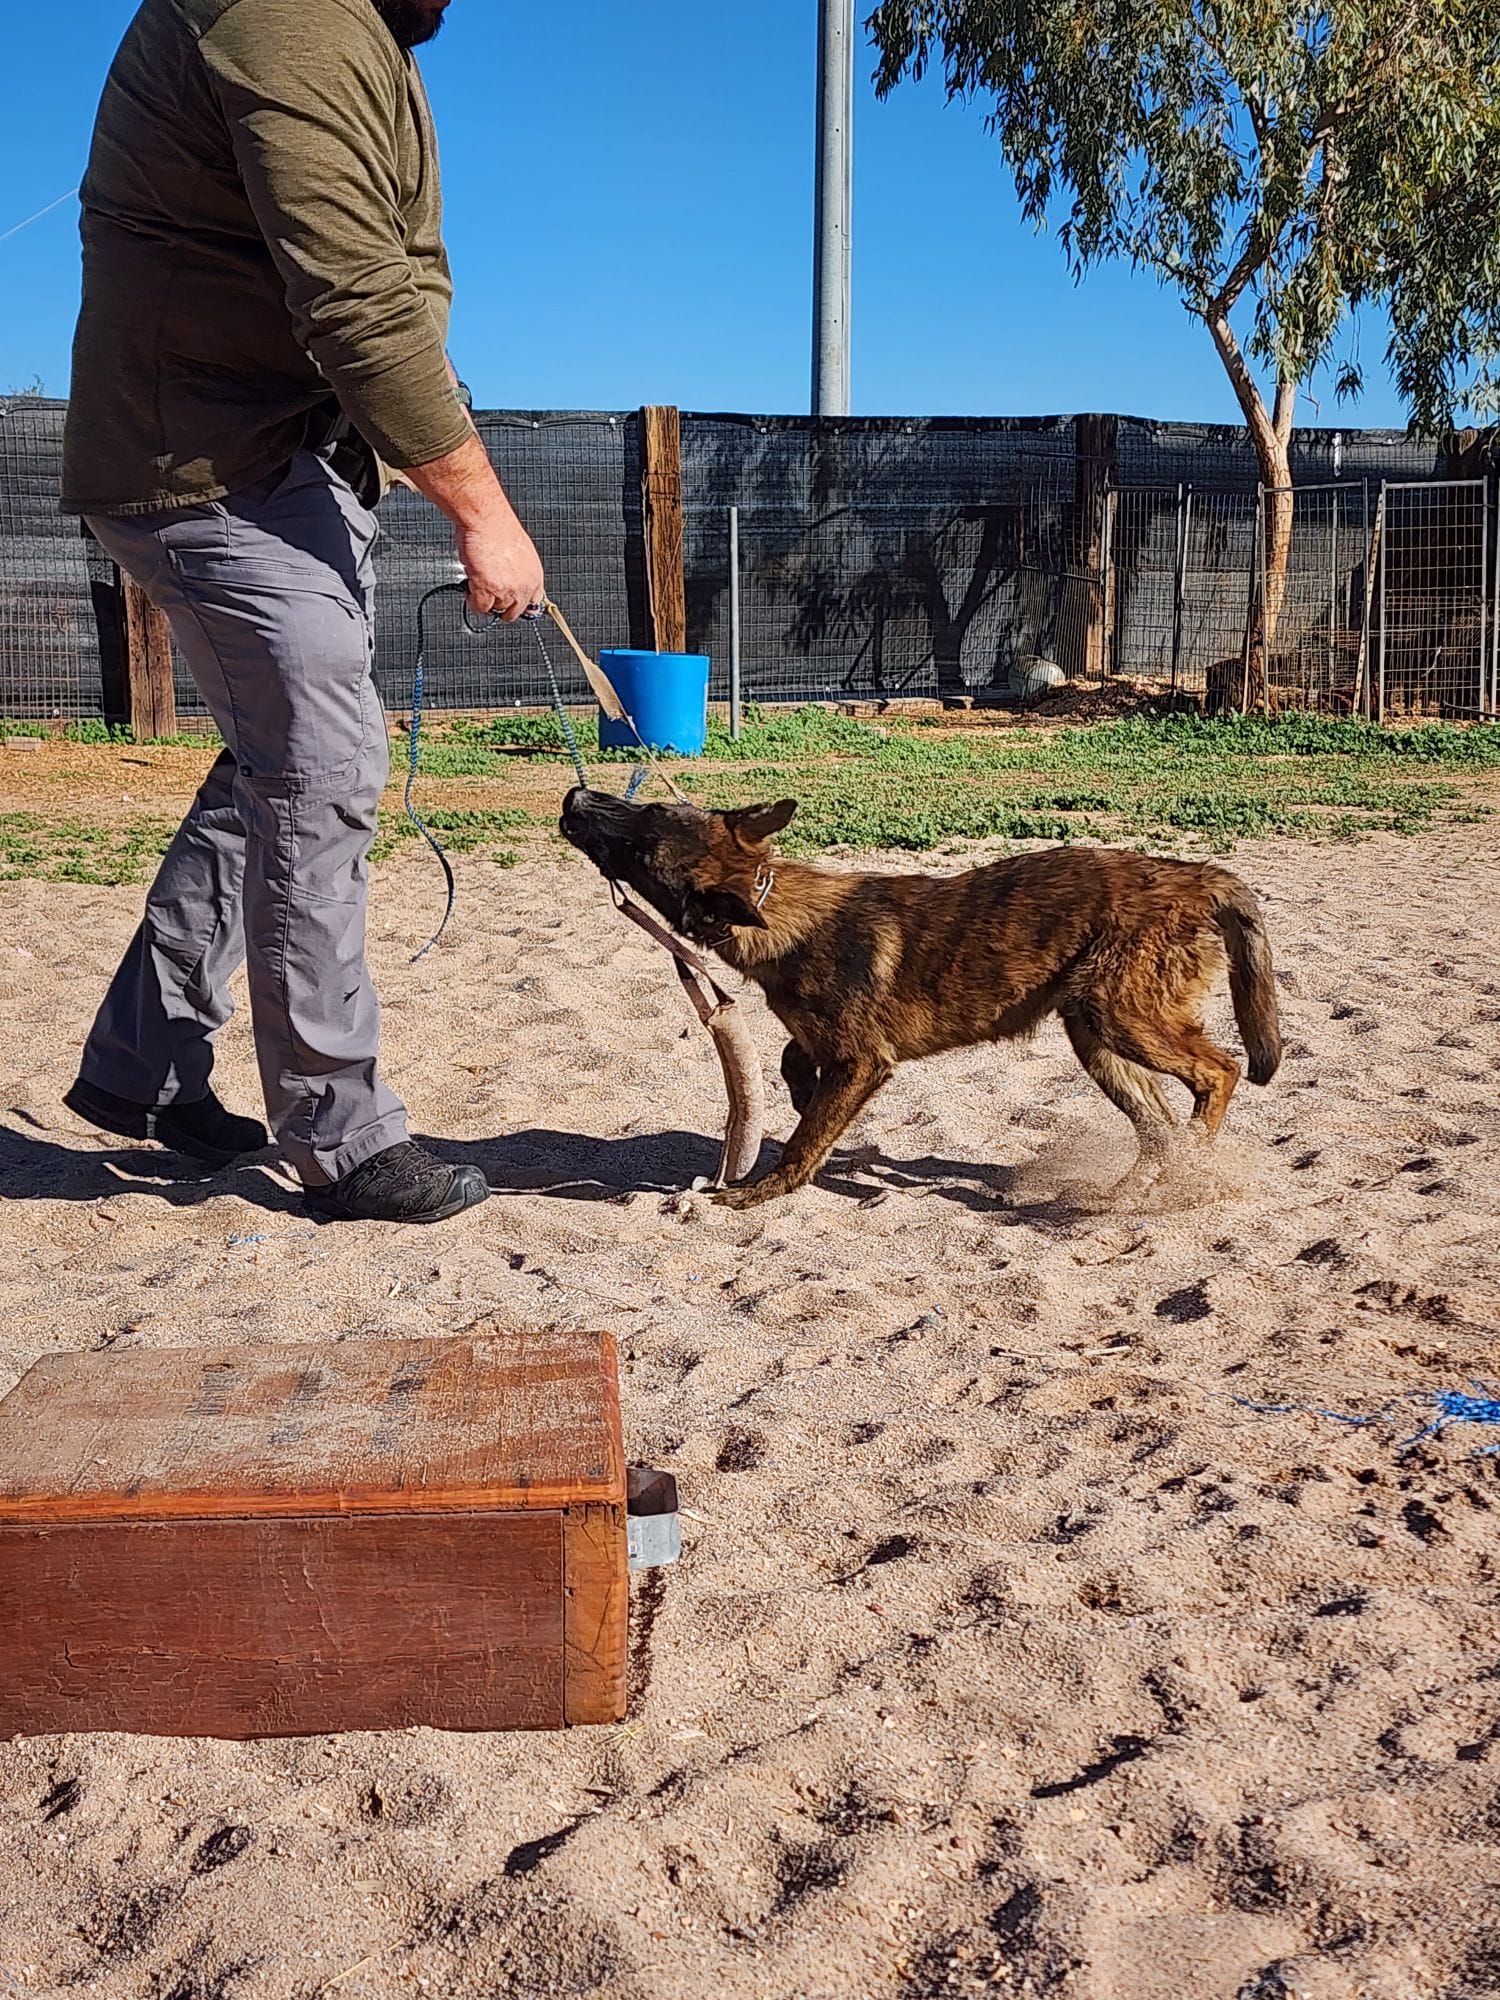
(204, 1130)
(402, 1184)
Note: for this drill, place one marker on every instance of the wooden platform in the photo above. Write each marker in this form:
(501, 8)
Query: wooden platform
(277, 1541)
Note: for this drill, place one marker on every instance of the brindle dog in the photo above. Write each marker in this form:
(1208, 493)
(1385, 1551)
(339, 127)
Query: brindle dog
(867, 971)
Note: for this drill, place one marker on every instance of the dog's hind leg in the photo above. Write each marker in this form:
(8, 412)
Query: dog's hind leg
(1128, 1085)
(1135, 1091)
(844, 1089)
(1177, 1046)
(800, 1073)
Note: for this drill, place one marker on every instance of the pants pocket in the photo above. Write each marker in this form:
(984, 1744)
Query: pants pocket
(293, 656)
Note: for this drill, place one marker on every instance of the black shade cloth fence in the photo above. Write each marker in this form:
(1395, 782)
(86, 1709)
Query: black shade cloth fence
(879, 557)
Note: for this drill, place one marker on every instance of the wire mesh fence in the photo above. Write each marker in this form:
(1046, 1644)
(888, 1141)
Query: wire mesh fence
(50, 662)
(575, 481)
(1436, 618)
(887, 601)
(884, 560)
(1180, 566)
(1320, 655)
(878, 559)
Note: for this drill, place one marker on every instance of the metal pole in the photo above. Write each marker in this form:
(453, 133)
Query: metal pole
(1380, 663)
(1184, 505)
(1368, 585)
(1333, 596)
(833, 217)
(734, 623)
(1495, 640)
(1484, 595)
(1107, 592)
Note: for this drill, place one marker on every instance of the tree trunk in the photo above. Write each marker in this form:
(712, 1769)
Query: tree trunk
(1271, 434)
(1276, 476)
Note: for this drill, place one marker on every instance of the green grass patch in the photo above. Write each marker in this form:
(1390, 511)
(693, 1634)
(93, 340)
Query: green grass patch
(37, 848)
(1178, 781)
(63, 850)
(459, 830)
(465, 748)
(91, 730)
(1175, 783)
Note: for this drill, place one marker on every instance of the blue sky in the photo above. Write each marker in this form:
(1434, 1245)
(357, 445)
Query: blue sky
(629, 212)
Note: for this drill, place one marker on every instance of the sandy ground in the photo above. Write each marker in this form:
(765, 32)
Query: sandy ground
(1008, 1652)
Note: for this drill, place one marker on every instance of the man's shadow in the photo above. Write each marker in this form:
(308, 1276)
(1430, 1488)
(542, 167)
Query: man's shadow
(35, 1168)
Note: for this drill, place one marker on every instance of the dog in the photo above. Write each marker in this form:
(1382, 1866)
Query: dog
(866, 971)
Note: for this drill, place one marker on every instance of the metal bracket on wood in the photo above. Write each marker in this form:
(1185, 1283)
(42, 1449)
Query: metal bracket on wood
(653, 1532)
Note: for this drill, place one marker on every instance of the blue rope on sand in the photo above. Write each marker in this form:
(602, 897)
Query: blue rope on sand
(1453, 1406)
(1450, 1406)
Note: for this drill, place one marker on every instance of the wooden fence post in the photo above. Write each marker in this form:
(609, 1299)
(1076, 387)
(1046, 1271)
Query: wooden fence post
(151, 698)
(1095, 444)
(661, 491)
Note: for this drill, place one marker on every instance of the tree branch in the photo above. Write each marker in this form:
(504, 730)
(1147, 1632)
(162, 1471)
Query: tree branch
(1269, 447)
(1250, 260)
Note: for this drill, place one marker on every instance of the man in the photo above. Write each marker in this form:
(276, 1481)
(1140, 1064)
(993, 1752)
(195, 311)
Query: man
(264, 324)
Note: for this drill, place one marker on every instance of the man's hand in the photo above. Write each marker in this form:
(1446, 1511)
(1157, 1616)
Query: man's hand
(503, 568)
(499, 559)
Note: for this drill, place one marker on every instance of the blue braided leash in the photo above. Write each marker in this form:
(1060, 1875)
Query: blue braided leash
(534, 619)
(415, 733)
(1450, 1406)
(638, 775)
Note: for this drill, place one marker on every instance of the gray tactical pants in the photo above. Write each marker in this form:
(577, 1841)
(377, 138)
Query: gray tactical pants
(270, 597)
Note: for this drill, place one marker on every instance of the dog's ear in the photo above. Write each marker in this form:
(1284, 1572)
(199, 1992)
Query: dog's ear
(757, 823)
(722, 908)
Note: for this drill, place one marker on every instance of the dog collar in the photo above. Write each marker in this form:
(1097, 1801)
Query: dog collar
(765, 882)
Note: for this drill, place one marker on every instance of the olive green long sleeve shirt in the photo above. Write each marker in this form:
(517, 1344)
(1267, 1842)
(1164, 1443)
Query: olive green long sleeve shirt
(262, 251)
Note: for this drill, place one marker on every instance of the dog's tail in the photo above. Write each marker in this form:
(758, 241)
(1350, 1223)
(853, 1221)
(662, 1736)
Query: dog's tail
(1252, 979)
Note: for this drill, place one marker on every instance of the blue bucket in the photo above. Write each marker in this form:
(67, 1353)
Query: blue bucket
(665, 693)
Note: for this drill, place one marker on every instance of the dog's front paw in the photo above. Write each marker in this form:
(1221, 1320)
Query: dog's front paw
(750, 1194)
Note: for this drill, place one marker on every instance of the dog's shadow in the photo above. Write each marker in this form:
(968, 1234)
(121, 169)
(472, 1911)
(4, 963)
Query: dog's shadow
(576, 1166)
(1004, 1193)
(564, 1166)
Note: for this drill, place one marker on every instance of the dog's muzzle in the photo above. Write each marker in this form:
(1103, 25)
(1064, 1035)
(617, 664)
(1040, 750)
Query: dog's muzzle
(585, 823)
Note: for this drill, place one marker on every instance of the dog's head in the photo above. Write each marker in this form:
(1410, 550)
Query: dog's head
(705, 872)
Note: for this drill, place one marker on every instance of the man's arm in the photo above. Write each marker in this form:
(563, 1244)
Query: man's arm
(311, 91)
(503, 568)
